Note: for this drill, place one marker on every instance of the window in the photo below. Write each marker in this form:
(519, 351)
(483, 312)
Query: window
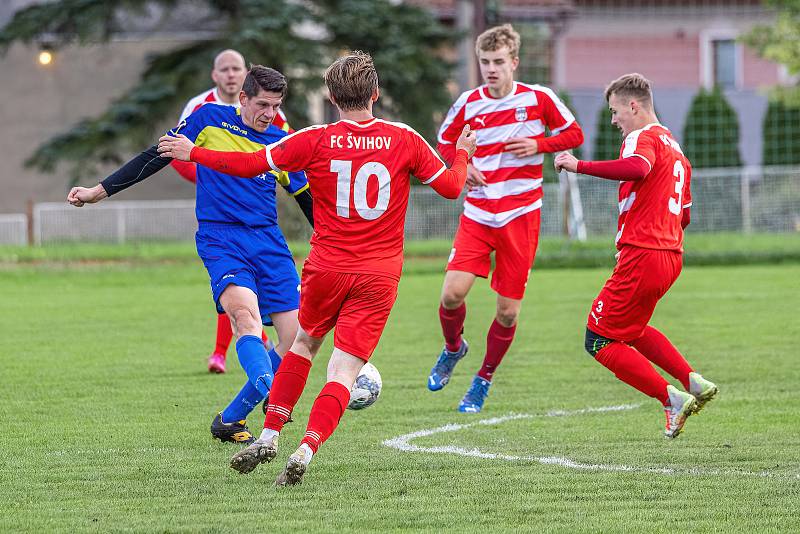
(724, 58)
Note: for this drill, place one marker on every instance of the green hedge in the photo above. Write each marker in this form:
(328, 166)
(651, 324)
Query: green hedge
(711, 133)
(781, 134)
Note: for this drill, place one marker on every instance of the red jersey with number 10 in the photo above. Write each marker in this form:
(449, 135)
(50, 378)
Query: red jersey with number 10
(650, 209)
(358, 173)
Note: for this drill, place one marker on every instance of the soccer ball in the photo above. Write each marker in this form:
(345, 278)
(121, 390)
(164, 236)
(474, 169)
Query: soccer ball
(366, 388)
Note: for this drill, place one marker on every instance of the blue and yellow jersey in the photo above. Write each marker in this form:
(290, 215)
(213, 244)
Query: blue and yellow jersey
(228, 199)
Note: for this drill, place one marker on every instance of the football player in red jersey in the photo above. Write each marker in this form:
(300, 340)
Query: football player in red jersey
(503, 204)
(654, 208)
(358, 169)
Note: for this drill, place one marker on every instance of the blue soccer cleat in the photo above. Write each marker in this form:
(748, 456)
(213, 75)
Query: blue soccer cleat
(440, 374)
(475, 395)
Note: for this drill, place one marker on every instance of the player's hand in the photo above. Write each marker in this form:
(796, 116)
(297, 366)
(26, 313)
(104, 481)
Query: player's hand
(78, 196)
(475, 178)
(522, 147)
(177, 147)
(467, 141)
(567, 162)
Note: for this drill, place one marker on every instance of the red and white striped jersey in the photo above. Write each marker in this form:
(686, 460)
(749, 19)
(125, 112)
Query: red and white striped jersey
(514, 184)
(213, 96)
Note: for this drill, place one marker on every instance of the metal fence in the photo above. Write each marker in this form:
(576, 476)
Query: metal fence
(725, 200)
(13, 229)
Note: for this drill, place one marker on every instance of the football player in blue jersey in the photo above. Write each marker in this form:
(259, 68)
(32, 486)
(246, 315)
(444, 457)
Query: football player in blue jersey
(252, 272)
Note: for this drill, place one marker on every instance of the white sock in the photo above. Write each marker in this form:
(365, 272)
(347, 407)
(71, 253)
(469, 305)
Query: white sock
(267, 434)
(308, 451)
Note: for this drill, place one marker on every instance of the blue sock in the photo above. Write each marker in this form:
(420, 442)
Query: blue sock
(255, 362)
(274, 359)
(244, 402)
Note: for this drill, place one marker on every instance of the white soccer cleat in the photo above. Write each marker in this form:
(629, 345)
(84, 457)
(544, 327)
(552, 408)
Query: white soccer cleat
(681, 405)
(703, 390)
(295, 467)
(262, 450)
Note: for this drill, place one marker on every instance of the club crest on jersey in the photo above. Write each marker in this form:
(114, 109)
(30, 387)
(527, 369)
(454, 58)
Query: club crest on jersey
(521, 114)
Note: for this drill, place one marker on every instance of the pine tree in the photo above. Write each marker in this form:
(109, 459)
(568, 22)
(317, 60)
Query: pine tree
(403, 40)
(711, 132)
(781, 134)
(608, 138)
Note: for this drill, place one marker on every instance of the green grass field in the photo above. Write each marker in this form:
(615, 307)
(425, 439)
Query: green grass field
(107, 407)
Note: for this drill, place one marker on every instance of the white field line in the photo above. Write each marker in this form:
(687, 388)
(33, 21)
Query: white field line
(403, 443)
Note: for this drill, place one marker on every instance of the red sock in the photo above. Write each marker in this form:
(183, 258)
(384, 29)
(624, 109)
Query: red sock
(290, 380)
(325, 414)
(224, 334)
(633, 369)
(657, 348)
(452, 326)
(498, 340)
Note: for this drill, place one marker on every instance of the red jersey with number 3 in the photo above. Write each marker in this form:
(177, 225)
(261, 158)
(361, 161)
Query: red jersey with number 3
(650, 209)
(358, 173)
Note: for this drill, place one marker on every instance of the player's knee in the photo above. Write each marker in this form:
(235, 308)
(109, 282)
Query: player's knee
(507, 317)
(594, 343)
(452, 298)
(244, 321)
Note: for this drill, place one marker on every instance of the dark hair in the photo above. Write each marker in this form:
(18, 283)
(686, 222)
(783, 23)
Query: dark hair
(263, 78)
(351, 79)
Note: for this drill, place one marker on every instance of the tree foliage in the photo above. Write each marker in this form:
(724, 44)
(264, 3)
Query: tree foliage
(403, 40)
(711, 132)
(778, 42)
(781, 134)
(608, 138)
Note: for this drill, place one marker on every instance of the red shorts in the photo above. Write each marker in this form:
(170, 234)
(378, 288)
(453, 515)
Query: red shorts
(514, 246)
(358, 305)
(628, 299)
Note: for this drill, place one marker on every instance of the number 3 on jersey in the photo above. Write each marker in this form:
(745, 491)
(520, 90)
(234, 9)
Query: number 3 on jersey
(678, 171)
(344, 181)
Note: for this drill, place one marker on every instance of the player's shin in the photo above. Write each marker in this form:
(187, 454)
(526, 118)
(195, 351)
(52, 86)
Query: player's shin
(244, 402)
(255, 362)
(325, 414)
(452, 325)
(634, 369)
(658, 349)
(498, 340)
(290, 380)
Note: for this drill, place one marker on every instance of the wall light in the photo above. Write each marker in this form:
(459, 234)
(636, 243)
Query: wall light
(45, 57)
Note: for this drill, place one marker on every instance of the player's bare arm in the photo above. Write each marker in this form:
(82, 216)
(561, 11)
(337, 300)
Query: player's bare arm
(78, 196)
(176, 147)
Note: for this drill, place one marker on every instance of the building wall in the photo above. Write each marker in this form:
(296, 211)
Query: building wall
(39, 102)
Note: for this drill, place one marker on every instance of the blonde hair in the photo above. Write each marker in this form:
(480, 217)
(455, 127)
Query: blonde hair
(633, 86)
(351, 80)
(498, 37)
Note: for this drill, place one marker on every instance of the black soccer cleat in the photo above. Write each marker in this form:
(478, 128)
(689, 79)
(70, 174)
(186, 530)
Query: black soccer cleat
(236, 432)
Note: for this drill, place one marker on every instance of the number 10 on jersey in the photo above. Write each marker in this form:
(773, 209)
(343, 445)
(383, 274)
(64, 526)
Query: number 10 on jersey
(345, 182)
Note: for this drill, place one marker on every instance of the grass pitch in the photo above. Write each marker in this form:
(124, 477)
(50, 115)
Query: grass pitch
(107, 406)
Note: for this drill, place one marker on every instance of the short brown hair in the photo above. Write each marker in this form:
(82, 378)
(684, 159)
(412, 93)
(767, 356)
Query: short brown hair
(264, 78)
(498, 37)
(351, 80)
(633, 86)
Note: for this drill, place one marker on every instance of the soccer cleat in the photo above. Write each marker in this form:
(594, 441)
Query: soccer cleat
(295, 467)
(236, 432)
(703, 390)
(681, 405)
(440, 374)
(216, 363)
(475, 395)
(262, 450)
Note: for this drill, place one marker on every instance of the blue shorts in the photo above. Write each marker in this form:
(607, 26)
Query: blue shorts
(255, 258)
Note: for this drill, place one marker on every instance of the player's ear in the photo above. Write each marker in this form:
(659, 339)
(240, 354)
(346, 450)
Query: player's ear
(242, 98)
(376, 93)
